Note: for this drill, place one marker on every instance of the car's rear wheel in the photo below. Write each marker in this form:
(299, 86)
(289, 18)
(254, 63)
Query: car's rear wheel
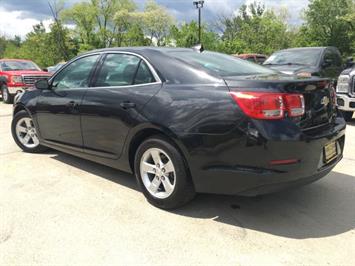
(6, 96)
(347, 115)
(25, 134)
(162, 174)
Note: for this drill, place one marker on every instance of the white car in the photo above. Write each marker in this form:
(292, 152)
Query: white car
(346, 93)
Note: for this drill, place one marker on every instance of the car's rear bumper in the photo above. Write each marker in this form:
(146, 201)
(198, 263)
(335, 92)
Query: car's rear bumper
(345, 102)
(269, 182)
(241, 166)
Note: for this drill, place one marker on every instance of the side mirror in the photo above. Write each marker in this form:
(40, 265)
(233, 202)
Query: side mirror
(327, 62)
(349, 62)
(42, 84)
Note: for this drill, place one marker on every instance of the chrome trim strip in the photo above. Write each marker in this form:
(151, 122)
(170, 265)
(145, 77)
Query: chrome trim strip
(151, 68)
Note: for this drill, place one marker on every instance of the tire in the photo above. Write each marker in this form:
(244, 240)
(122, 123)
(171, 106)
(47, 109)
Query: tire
(6, 96)
(347, 115)
(24, 133)
(180, 187)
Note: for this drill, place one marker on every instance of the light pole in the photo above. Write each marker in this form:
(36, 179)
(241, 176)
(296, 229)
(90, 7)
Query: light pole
(199, 6)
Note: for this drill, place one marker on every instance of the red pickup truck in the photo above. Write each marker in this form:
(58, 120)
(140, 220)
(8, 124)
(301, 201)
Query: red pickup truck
(17, 75)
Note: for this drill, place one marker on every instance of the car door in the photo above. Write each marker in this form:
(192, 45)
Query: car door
(58, 109)
(123, 84)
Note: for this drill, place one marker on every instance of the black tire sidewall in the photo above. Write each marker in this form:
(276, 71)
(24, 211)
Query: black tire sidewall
(16, 118)
(183, 191)
(347, 115)
(9, 96)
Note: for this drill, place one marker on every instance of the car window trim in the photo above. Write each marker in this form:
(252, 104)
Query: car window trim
(151, 68)
(97, 70)
(135, 73)
(50, 81)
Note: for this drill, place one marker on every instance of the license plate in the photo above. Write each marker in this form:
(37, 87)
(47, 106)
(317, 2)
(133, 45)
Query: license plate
(330, 151)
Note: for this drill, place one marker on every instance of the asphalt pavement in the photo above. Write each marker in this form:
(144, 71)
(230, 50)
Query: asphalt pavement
(56, 209)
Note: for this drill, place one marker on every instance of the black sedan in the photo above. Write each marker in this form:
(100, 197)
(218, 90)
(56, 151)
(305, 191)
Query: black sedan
(185, 121)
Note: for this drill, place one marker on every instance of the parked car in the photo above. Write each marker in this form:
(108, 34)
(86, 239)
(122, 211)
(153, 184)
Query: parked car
(17, 75)
(53, 69)
(346, 93)
(255, 58)
(185, 121)
(307, 62)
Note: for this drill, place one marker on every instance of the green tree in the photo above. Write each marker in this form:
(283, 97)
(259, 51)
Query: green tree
(156, 22)
(255, 30)
(329, 23)
(135, 37)
(101, 23)
(124, 25)
(41, 46)
(187, 36)
(83, 16)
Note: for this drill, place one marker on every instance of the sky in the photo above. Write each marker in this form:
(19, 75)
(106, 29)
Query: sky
(18, 16)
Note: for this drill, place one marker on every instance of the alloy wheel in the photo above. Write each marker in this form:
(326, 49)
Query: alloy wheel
(158, 173)
(26, 133)
(5, 95)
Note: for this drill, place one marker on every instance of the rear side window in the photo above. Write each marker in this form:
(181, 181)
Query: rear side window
(251, 59)
(334, 56)
(117, 70)
(143, 74)
(337, 58)
(260, 59)
(221, 64)
(123, 70)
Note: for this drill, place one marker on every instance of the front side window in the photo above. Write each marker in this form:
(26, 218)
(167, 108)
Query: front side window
(221, 64)
(76, 75)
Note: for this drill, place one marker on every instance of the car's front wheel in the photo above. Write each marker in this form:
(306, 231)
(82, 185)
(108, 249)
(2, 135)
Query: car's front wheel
(25, 134)
(6, 96)
(347, 115)
(162, 174)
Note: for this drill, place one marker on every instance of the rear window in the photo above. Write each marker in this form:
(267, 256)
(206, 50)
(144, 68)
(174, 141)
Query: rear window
(221, 64)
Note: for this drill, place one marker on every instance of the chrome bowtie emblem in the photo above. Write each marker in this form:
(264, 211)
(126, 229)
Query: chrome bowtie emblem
(325, 101)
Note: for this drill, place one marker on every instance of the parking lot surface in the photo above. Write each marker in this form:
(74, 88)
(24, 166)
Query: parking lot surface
(56, 209)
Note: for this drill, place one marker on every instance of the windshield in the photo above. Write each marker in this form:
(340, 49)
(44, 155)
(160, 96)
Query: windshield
(294, 57)
(18, 65)
(223, 65)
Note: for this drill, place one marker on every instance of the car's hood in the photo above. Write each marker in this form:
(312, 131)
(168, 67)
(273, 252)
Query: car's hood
(292, 69)
(349, 71)
(27, 72)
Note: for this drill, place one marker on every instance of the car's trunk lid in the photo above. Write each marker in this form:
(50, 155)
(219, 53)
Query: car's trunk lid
(320, 108)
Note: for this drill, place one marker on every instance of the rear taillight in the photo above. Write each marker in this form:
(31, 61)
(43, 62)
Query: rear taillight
(294, 104)
(265, 105)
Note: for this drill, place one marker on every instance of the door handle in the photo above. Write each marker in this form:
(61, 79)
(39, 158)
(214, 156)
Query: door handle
(72, 105)
(127, 105)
